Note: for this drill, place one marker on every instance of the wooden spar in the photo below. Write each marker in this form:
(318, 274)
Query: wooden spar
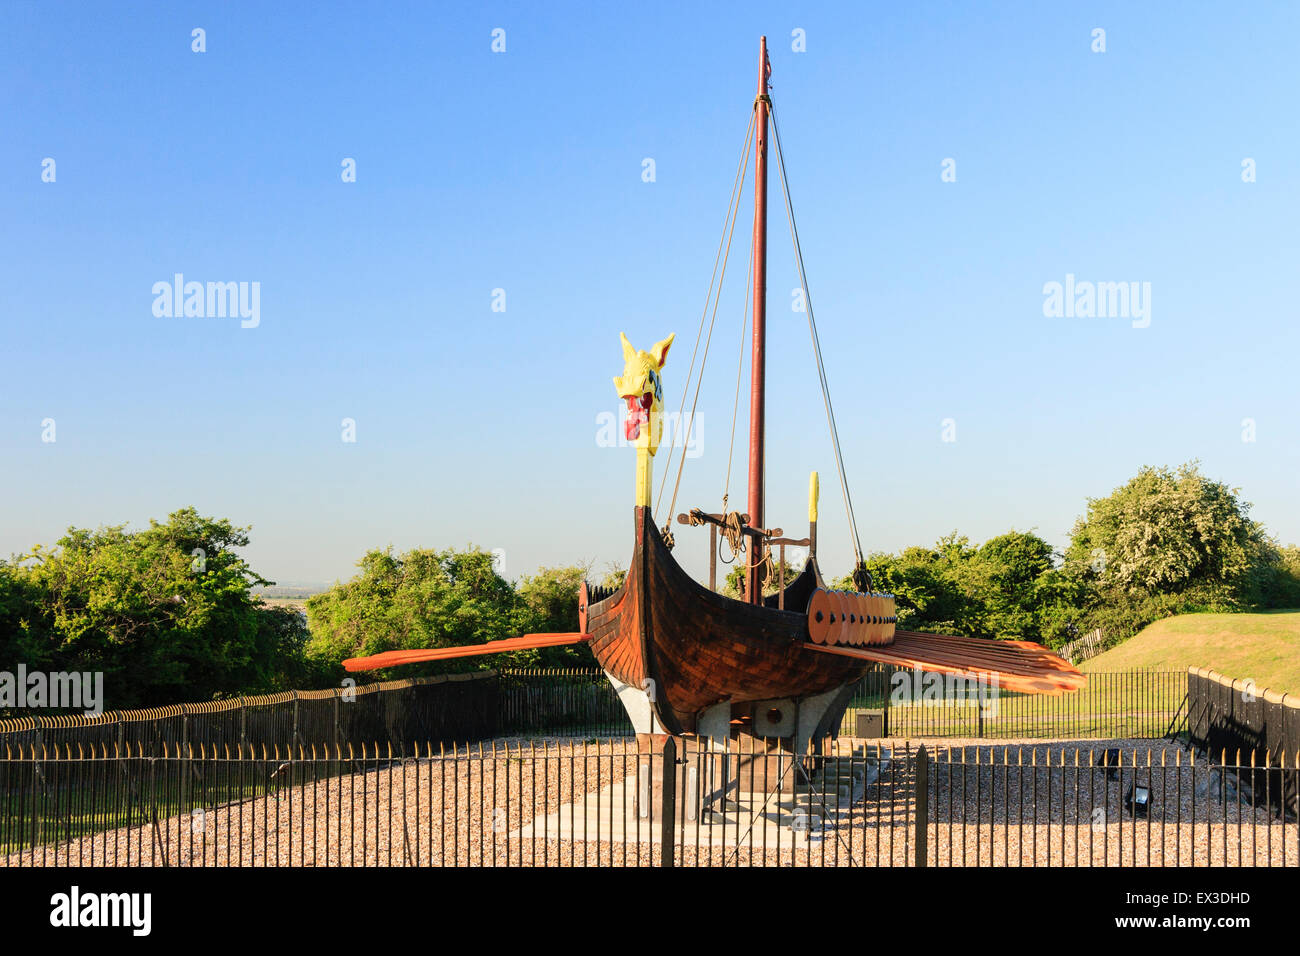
(754, 586)
(697, 517)
(505, 645)
(1014, 665)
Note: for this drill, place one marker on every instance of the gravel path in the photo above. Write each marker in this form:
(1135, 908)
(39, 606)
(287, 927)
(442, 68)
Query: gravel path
(510, 808)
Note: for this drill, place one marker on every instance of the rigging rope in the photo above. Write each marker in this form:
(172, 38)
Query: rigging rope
(736, 541)
(859, 571)
(733, 532)
(728, 232)
(733, 536)
(732, 528)
(740, 369)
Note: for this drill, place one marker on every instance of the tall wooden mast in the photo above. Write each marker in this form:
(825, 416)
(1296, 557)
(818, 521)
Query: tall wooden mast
(758, 360)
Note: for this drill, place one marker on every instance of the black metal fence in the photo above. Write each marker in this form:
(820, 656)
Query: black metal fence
(1113, 705)
(581, 703)
(1234, 716)
(561, 702)
(654, 802)
(910, 704)
(474, 706)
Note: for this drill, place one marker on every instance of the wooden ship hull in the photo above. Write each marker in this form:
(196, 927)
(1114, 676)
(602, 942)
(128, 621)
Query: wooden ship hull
(690, 649)
(687, 660)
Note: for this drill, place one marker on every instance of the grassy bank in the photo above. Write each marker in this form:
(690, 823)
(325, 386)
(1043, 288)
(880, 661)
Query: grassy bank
(1264, 647)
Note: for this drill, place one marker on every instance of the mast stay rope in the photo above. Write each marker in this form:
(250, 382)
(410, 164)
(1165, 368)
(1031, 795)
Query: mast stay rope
(861, 576)
(723, 255)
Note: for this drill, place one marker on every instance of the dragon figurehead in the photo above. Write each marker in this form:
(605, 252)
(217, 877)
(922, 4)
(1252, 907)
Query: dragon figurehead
(641, 387)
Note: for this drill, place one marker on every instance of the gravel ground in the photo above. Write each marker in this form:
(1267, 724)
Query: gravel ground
(483, 811)
(1028, 804)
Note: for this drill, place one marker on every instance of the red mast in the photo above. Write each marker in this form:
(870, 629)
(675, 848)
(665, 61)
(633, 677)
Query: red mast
(753, 585)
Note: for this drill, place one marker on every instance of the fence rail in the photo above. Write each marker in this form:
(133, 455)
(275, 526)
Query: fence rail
(581, 703)
(649, 802)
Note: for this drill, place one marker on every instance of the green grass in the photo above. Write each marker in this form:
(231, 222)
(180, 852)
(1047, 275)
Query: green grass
(1262, 647)
(1134, 689)
(1130, 703)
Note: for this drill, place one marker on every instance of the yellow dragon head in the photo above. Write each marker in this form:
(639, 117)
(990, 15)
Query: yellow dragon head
(642, 389)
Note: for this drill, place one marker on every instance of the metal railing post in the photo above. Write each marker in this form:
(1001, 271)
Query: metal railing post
(922, 805)
(186, 787)
(668, 819)
(889, 683)
(338, 702)
(38, 752)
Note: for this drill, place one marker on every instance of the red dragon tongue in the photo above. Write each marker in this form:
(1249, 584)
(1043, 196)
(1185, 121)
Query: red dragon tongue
(637, 415)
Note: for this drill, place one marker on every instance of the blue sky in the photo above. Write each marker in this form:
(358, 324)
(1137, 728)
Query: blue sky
(522, 171)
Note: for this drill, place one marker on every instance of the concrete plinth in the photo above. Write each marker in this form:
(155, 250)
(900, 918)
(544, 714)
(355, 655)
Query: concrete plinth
(797, 813)
(707, 774)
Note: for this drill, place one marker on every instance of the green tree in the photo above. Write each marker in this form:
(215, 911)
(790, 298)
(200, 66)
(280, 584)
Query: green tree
(1002, 581)
(926, 584)
(995, 590)
(1280, 579)
(430, 599)
(1171, 541)
(551, 596)
(1171, 532)
(166, 613)
(731, 584)
(614, 577)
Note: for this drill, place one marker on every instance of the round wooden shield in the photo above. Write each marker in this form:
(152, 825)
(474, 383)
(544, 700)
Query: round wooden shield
(821, 610)
(852, 618)
(891, 618)
(863, 619)
(847, 616)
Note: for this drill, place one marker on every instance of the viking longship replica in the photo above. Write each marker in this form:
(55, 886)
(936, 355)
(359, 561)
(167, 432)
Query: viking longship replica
(686, 659)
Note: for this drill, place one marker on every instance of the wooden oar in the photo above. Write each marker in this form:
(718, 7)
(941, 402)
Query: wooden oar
(1016, 665)
(521, 643)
